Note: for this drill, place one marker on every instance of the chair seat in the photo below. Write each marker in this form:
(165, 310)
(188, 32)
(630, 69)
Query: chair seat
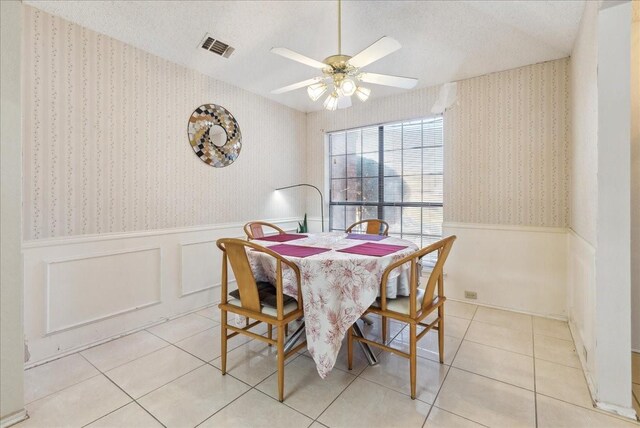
(268, 300)
(268, 310)
(267, 295)
(401, 304)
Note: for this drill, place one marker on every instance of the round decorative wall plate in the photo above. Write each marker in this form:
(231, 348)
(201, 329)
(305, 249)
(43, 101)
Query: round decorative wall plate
(214, 135)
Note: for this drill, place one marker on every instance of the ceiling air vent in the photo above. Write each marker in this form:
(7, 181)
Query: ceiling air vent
(216, 46)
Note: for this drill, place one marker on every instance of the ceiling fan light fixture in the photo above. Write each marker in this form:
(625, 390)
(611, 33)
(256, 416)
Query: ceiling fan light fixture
(347, 87)
(331, 103)
(342, 73)
(316, 90)
(362, 93)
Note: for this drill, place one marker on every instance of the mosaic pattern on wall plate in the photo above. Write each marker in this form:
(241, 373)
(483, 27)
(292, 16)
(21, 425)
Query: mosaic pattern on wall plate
(211, 147)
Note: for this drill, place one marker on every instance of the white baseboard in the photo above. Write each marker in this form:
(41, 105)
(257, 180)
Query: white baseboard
(625, 412)
(504, 308)
(13, 418)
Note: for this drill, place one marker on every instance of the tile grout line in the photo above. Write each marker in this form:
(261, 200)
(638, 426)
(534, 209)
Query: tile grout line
(496, 347)
(592, 409)
(125, 392)
(435, 398)
(254, 388)
(225, 406)
(352, 381)
(278, 401)
(135, 359)
(65, 388)
(161, 386)
(173, 380)
(210, 363)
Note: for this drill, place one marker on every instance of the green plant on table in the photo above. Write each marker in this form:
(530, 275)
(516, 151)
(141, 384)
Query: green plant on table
(302, 227)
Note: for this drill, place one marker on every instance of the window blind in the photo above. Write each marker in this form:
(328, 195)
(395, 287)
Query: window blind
(393, 172)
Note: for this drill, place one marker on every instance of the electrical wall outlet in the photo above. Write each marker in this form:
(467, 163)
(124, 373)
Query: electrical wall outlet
(470, 295)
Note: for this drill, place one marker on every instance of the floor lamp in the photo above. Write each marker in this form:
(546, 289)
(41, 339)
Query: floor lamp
(319, 192)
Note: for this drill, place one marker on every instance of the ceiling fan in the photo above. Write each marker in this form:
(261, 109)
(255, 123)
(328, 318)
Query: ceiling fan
(343, 73)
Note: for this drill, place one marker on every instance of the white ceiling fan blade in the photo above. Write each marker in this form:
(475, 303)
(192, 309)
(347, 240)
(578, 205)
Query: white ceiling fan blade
(388, 80)
(344, 102)
(295, 56)
(379, 49)
(295, 86)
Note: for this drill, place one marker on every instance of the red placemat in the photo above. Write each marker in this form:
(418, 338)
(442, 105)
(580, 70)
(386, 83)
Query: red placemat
(366, 237)
(297, 250)
(282, 237)
(373, 249)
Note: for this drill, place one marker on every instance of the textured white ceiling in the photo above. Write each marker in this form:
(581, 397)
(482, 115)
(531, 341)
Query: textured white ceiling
(441, 40)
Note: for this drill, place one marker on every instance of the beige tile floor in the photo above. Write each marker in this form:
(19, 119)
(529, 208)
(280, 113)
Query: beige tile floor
(502, 369)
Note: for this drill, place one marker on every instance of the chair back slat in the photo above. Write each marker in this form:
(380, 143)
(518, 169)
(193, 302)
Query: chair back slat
(255, 230)
(443, 247)
(235, 251)
(373, 227)
(244, 277)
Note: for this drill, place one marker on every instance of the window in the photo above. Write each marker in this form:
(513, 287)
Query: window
(393, 172)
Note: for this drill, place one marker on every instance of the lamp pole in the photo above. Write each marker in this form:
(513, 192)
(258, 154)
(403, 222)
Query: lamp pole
(319, 192)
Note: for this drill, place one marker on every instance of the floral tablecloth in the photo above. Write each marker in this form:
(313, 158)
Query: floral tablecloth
(336, 287)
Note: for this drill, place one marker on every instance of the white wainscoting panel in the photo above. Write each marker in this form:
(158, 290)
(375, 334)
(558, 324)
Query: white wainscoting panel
(513, 267)
(85, 290)
(581, 301)
(200, 266)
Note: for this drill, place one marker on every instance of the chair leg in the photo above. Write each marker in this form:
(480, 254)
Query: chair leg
(281, 363)
(223, 345)
(350, 348)
(246, 321)
(441, 333)
(270, 332)
(412, 358)
(384, 329)
(286, 329)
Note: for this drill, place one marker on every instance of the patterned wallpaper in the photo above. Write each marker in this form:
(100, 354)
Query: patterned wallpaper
(106, 147)
(506, 143)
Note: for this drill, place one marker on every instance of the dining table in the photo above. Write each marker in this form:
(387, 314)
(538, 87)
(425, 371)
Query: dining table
(340, 278)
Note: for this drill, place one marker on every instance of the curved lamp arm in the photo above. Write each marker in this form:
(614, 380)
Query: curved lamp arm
(319, 192)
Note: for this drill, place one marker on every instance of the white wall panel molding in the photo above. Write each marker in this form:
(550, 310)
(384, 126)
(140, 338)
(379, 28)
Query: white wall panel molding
(516, 268)
(196, 263)
(81, 290)
(86, 290)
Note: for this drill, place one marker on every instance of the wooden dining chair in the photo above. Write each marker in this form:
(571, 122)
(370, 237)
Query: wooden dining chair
(373, 227)
(412, 309)
(254, 229)
(261, 301)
